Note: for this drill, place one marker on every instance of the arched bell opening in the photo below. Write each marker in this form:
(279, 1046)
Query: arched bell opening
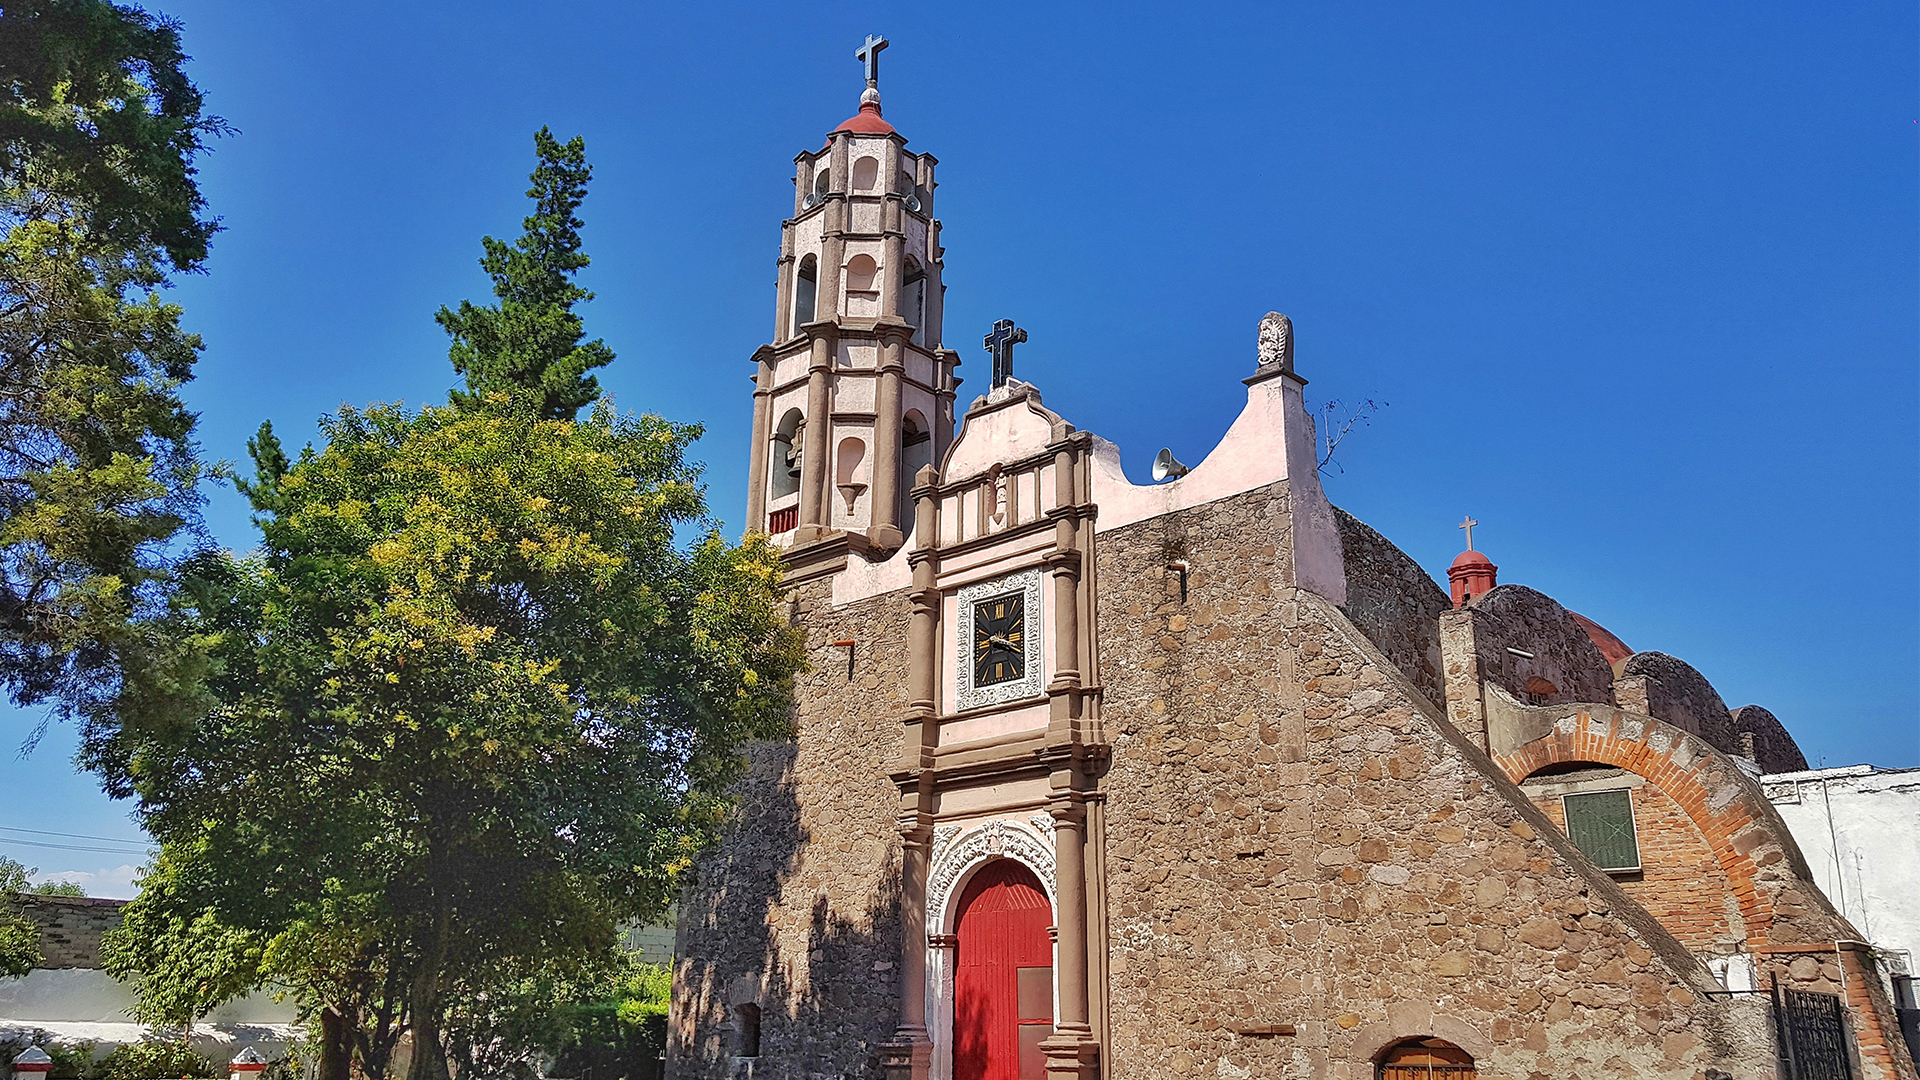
(783, 474)
(806, 288)
(913, 298)
(916, 452)
(1426, 1059)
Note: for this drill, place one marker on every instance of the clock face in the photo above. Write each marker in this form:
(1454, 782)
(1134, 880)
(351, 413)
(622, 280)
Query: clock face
(999, 639)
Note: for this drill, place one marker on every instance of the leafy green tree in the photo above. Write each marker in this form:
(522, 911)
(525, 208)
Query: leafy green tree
(19, 937)
(476, 710)
(597, 1021)
(99, 129)
(530, 343)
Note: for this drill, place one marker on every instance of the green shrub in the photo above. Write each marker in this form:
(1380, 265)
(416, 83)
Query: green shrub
(70, 1062)
(147, 1060)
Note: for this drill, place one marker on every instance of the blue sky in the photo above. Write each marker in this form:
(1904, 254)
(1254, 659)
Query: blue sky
(1637, 282)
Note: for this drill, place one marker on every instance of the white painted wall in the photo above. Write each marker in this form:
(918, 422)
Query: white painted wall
(1859, 828)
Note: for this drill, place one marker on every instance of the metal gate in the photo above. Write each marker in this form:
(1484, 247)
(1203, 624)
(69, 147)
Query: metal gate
(1812, 1031)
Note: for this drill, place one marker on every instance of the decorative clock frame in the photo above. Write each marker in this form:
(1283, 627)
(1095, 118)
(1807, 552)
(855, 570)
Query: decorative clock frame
(1033, 680)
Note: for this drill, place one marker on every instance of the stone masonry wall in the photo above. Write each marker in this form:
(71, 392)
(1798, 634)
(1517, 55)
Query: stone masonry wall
(1673, 690)
(1565, 666)
(1393, 601)
(1763, 738)
(71, 927)
(1293, 839)
(797, 911)
(1680, 882)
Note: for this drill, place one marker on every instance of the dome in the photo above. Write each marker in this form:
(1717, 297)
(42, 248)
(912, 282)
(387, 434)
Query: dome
(865, 122)
(1611, 647)
(1472, 559)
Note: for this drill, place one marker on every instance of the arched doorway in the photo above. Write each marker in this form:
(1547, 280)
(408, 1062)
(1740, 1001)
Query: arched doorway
(1426, 1059)
(1003, 975)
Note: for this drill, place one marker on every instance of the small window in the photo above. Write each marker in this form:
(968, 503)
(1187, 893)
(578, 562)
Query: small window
(746, 1031)
(1600, 824)
(866, 173)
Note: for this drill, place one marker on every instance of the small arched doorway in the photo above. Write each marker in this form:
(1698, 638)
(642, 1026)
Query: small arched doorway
(1003, 976)
(1426, 1059)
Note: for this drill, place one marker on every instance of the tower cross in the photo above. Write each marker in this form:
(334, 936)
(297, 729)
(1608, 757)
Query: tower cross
(1000, 343)
(869, 54)
(1468, 523)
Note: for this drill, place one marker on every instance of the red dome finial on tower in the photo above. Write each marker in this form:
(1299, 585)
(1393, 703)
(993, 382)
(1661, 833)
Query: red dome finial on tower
(1471, 573)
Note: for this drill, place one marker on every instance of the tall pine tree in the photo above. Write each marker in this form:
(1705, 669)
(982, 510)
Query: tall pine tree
(529, 345)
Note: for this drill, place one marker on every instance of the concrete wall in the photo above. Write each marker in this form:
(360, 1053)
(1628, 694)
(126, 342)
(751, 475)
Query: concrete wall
(1859, 828)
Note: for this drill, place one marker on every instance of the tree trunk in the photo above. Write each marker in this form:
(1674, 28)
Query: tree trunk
(336, 1046)
(429, 1061)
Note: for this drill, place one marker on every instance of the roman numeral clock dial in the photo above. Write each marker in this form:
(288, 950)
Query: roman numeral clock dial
(999, 639)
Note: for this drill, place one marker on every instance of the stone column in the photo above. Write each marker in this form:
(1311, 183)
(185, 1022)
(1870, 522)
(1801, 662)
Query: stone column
(1072, 1053)
(762, 433)
(1063, 565)
(908, 1054)
(783, 288)
(833, 242)
(814, 470)
(923, 628)
(946, 388)
(884, 514)
(1460, 660)
(893, 242)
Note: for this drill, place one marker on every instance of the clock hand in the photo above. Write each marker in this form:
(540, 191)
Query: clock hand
(1003, 641)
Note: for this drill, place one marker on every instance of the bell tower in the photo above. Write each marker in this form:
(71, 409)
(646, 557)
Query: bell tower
(855, 393)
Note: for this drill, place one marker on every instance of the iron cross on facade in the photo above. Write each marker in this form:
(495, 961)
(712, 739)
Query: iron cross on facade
(869, 54)
(1000, 343)
(1468, 523)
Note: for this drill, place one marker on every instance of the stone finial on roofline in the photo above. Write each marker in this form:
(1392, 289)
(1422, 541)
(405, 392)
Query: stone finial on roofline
(1276, 342)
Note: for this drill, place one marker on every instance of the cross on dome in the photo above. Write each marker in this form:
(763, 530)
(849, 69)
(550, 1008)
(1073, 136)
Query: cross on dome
(869, 54)
(1468, 523)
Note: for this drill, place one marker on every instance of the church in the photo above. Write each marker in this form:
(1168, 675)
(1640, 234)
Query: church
(1203, 777)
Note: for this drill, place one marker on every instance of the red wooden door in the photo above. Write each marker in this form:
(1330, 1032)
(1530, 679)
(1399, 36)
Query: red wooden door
(1003, 976)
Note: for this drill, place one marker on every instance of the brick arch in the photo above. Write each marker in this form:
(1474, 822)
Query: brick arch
(1749, 841)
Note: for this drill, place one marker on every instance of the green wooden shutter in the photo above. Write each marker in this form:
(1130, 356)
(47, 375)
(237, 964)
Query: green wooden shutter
(1600, 823)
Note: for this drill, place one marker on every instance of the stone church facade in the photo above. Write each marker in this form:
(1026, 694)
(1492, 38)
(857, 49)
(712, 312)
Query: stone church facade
(1201, 778)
